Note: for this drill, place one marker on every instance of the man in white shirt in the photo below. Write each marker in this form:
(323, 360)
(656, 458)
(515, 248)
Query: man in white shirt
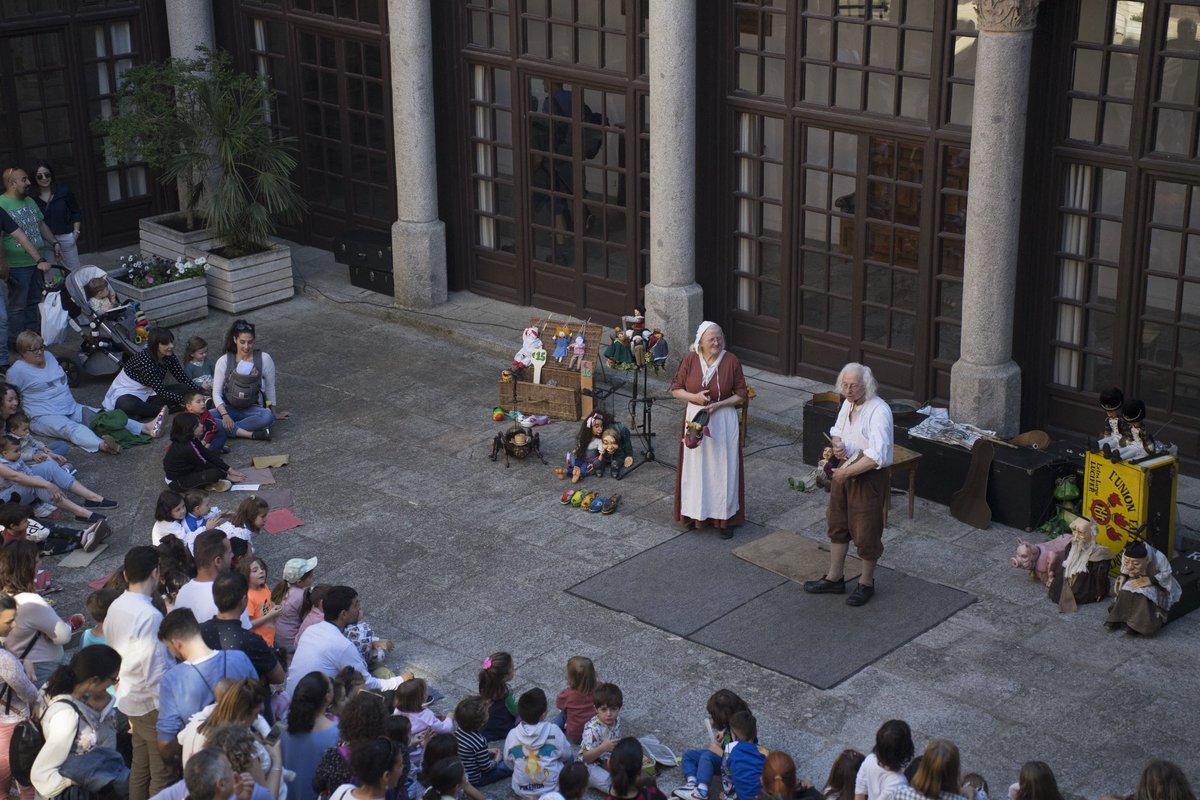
(131, 628)
(325, 648)
(214, 555)
(862, 440)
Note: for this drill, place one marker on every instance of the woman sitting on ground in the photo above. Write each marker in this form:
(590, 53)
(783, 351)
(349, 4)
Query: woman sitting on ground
(244, 386)
(141, 389)
(48, 401)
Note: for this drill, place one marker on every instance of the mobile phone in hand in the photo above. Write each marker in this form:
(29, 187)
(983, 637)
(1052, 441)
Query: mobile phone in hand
(276, 731)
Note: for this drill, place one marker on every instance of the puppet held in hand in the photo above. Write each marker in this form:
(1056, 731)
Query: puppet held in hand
(1040, 559)
(695, 429)
(530, 341)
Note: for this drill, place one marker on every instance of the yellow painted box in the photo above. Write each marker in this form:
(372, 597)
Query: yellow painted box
(1123, 497)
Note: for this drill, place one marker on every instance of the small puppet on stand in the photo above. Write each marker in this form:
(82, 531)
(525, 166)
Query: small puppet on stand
(530, 341)
(562, 339)
(1082, 577)
(1138, 443)
(582, 461)
(616, 450)
(657, 350)
(1146, 590)
(578, 350)
(617, 355)
(1115, 429)
(637, 348)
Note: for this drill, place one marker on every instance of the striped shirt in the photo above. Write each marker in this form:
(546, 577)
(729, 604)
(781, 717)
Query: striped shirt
(473, 753)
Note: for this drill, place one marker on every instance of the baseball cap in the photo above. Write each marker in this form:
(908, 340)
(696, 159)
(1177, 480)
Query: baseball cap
(297, 568)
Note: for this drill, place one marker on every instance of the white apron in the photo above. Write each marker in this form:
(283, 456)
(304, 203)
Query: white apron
(708, 488)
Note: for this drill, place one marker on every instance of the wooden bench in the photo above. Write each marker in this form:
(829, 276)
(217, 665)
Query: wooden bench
(903, 460)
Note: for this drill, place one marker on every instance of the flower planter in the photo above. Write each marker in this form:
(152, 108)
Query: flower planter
(247, 282)
(159, 239)
(167, 304)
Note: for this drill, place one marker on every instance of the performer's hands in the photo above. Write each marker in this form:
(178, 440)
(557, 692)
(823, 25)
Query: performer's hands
(1138, 583)
(700, 398)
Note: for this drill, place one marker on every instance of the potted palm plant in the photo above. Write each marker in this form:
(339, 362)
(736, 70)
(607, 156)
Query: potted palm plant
(210, 136)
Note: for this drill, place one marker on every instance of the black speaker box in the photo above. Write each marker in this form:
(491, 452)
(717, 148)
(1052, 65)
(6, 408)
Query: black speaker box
(1186, 569)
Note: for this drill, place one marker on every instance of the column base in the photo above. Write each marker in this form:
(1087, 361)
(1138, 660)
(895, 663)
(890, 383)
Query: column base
(419, 263)
(678, 311)
(987, 396)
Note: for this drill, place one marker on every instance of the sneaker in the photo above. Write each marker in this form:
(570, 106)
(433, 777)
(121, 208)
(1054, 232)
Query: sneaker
(219, 486)
(87, 537)
(262, 436)
(93, 517)
(109, 445)
(861, 595)
(103, 502)
(684, 792)
(156, 431)
(826, 586)
(700, 794)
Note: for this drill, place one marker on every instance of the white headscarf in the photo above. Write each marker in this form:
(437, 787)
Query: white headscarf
(709, 369)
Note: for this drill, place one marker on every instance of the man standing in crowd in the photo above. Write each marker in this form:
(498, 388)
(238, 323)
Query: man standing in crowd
(862, 441)
(25, 290)
(131, 629)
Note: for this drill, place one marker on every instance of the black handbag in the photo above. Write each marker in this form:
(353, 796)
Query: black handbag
(27, 738)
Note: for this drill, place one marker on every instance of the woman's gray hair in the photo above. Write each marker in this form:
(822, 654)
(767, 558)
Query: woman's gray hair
(870, 387)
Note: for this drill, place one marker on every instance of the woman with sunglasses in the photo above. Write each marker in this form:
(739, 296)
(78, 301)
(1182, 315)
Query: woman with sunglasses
(80, 718)
(243, 391)
(59, 207)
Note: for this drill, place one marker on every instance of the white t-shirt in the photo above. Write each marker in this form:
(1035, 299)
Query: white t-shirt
(163, 527)
(197, 595)
(876, 782)
(123, 384)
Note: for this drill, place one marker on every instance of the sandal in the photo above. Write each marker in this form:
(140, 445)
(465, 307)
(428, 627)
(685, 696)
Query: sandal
(610, 505)
(566, 497)
(597, 505)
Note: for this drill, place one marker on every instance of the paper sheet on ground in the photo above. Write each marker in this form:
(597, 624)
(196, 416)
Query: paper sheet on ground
(78, 558)
(255, 475)
(244, 487)
(263, 462)
(281, 520)
(276, 498)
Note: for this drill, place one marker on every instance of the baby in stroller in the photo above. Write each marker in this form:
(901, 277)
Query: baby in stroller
(100, 295)
(108, 325)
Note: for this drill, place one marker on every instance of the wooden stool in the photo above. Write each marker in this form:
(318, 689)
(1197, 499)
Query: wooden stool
(903, 460)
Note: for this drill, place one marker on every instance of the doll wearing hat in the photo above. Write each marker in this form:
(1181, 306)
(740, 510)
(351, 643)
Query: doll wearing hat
(1146, 590)
(1115, 430)
(1139, 443)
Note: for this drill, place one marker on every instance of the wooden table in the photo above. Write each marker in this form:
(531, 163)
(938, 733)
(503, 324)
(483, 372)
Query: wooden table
(903, 460)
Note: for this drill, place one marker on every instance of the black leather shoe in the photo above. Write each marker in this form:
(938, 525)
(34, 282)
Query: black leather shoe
(826, 586)
(861, 595)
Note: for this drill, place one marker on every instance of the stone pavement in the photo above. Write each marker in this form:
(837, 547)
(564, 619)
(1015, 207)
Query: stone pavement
(457, 557)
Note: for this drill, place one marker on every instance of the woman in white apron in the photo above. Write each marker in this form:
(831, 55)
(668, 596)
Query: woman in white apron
(708, 483)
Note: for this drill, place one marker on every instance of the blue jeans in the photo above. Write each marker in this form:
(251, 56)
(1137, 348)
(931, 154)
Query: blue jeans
(497, 773)
(254, 418)
(23, 299)
(701, 765)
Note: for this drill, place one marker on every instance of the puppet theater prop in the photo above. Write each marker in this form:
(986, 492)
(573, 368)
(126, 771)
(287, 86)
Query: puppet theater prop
(556, 382)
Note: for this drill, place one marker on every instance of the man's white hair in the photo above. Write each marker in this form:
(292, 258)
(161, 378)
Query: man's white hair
(870, 387)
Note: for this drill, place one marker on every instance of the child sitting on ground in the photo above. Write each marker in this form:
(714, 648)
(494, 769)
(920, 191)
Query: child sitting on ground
(248, 519)
(741, 768)
(18, 523)
(97, 605)
(629, 780)
(572, 783)
(440, 752)
(601, 734)
(494, 678)
(840, 783)
(196, 363)
(188, 463)
(258, 599)
(200, 514)
(410, 702)
(214, 434)
(169, 512)
(100, 295)
(883, 769)
(535, 750)
(292, 596)
(33, 451)
(700, 766)
(483, 766)
(47, 482)
(575, 702)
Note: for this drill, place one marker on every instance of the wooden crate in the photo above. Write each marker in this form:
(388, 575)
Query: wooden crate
(562, 400)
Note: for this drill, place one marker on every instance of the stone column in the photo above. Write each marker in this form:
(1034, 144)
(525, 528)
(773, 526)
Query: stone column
(985, 383)
(190, 25)
(418, 237)
(673, 298)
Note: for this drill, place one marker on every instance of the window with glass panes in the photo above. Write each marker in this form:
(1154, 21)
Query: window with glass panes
(487, 24)
(878, 93)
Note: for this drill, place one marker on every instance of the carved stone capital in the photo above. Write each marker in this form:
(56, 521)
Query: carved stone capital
(1006, 16)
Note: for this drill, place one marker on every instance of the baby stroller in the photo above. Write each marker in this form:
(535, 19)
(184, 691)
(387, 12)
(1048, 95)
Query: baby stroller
(108, 338)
